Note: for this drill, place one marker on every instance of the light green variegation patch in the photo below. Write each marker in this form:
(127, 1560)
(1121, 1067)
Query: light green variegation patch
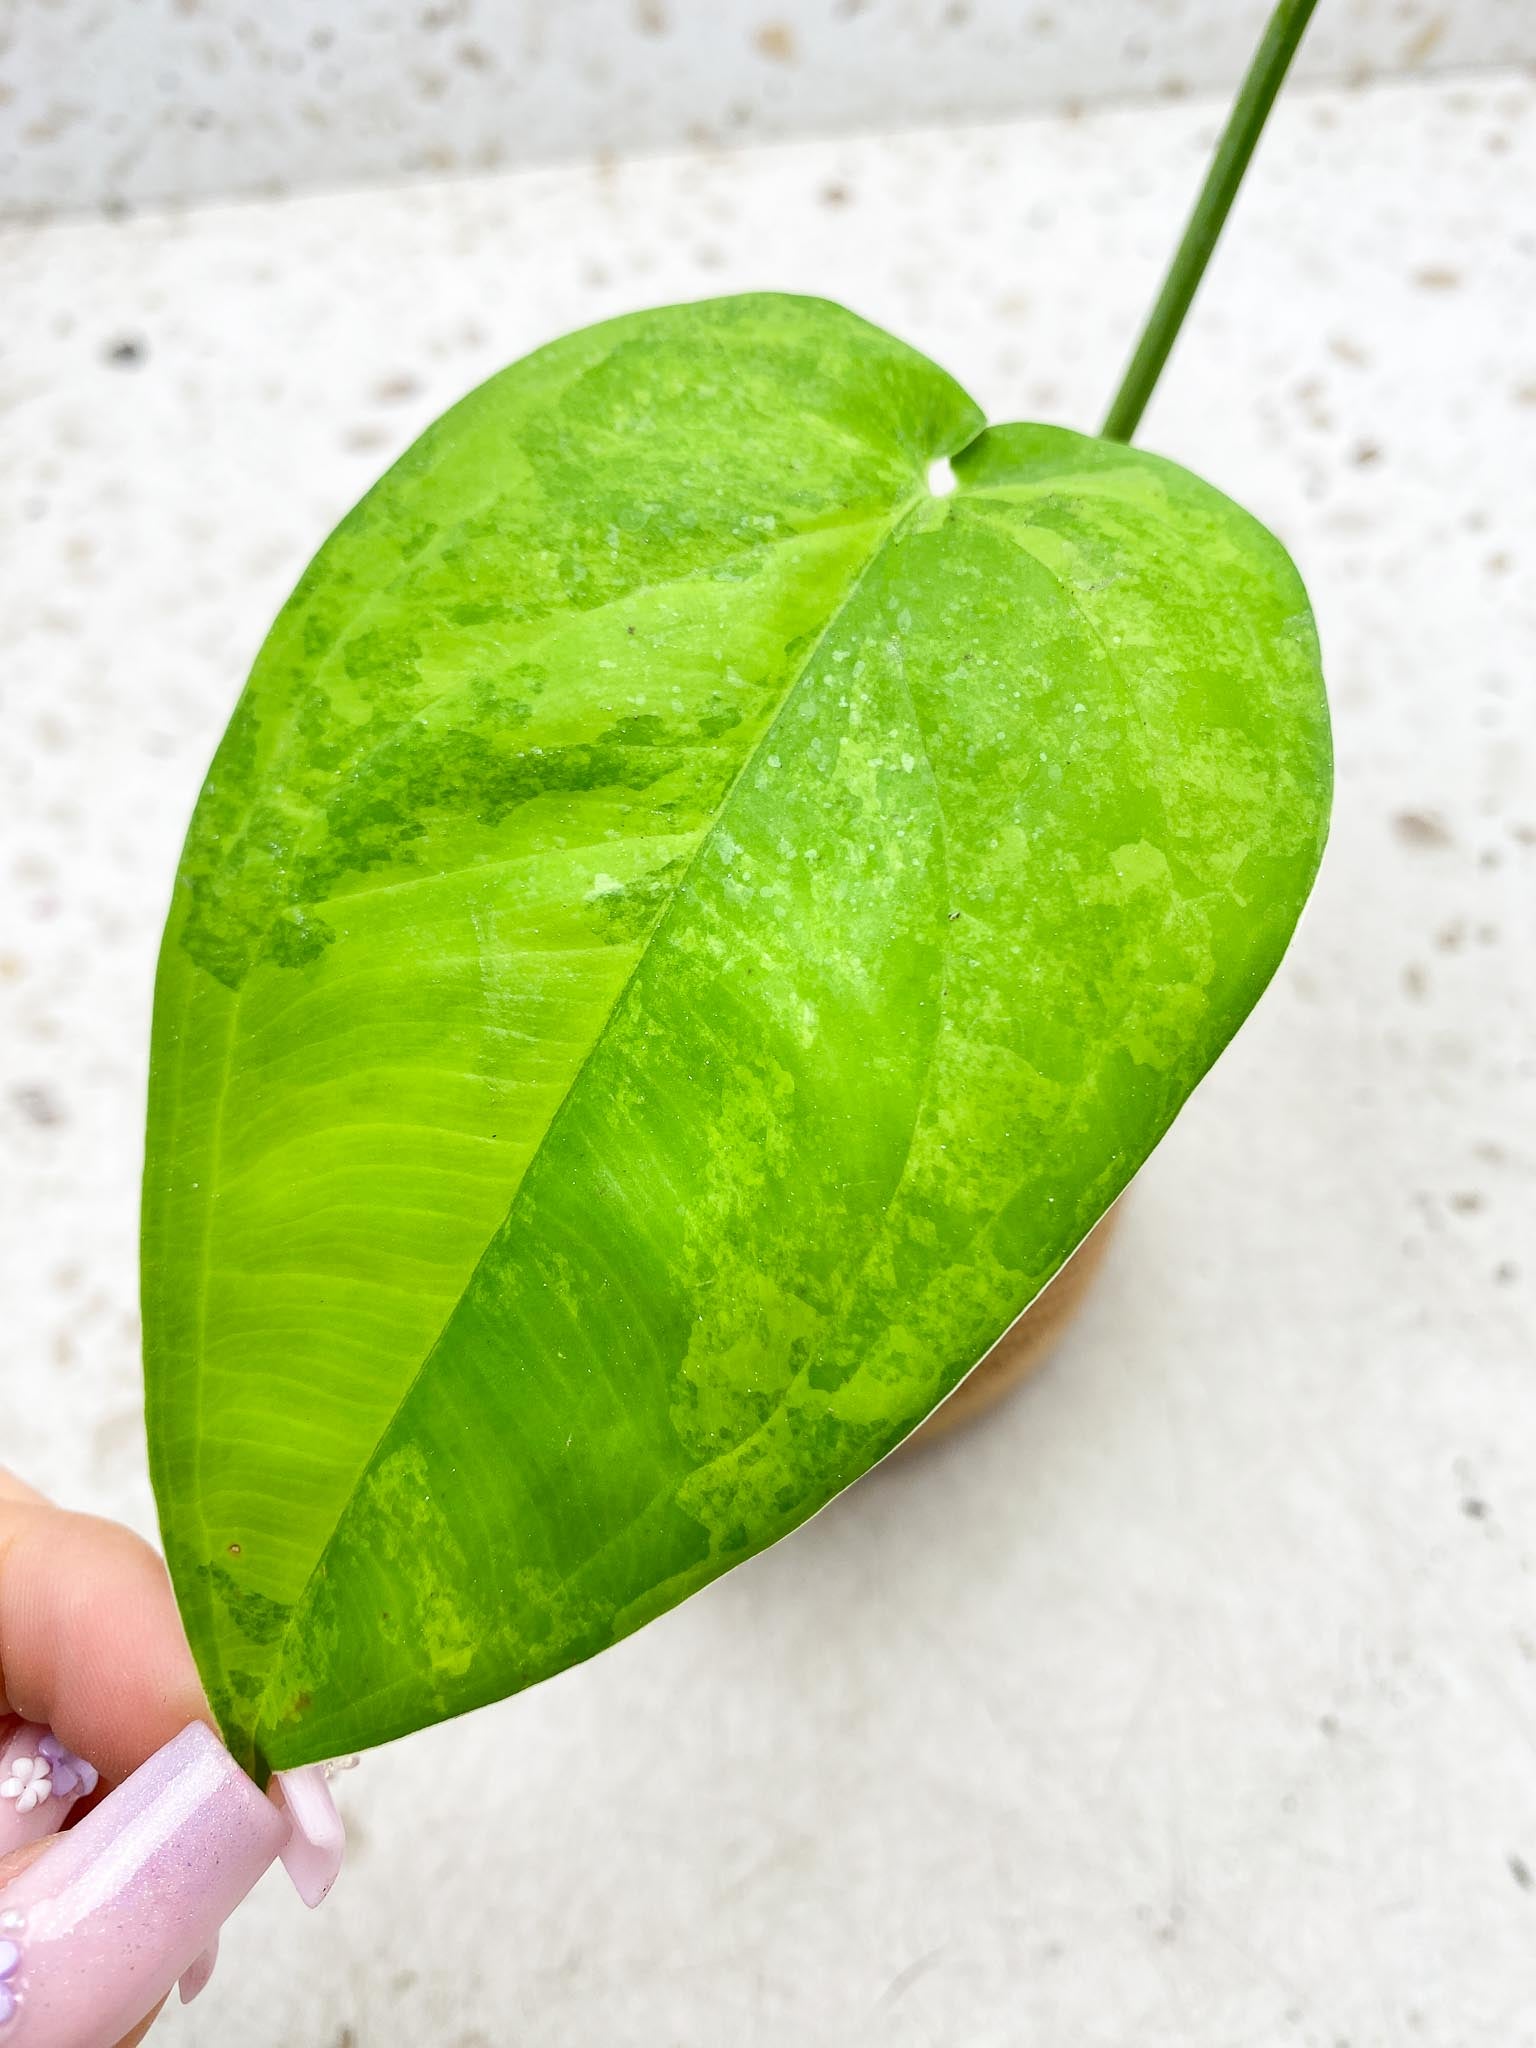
(686, 932)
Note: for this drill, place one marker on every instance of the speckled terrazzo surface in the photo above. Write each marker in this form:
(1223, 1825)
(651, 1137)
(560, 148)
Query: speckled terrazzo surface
(104, 103)
(1188, 1701)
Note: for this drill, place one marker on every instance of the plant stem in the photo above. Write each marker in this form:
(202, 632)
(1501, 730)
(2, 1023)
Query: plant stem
(1245, 123)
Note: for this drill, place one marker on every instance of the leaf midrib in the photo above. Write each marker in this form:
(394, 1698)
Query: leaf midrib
(889, 528)
(205, 1264)
(947, 507)
(916, 499)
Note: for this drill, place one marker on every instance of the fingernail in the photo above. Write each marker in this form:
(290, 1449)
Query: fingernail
(40, 1780)
(195, 1980)
(312, 1853)
(99, 1928)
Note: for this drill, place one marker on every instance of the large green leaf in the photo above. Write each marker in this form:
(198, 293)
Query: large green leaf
(686, 931)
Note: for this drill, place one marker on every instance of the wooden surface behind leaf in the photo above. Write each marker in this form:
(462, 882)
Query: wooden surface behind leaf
(685, 933)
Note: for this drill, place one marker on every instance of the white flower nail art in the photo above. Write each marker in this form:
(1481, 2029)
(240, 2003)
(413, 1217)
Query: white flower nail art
(29, 1783)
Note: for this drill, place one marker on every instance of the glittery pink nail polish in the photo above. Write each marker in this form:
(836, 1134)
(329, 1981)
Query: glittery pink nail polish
(40, 1780)
(99, 1928)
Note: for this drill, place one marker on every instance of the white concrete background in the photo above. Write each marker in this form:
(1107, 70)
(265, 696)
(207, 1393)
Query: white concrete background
(1189, 1703)
(122, 101)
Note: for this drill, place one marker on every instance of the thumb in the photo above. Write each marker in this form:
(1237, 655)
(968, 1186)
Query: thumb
(12, 1866)
(97, 1924)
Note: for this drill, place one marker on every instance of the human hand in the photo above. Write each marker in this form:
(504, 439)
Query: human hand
(97, 1923)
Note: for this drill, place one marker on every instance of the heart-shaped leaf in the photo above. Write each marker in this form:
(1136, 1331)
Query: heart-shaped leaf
(685, 933)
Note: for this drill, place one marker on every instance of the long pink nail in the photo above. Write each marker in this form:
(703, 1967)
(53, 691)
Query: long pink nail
(312, 1853)
(40, 1780)
(98, 1929)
